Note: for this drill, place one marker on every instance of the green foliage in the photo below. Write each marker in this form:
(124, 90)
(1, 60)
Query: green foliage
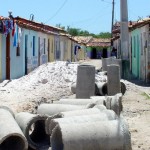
(80, 32)
(103, 35)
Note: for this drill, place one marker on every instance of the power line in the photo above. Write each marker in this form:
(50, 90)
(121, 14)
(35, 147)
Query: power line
(91, 18)
(57, 11)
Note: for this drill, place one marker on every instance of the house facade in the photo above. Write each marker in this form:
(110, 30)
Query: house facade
(139, 48)
(28, 44)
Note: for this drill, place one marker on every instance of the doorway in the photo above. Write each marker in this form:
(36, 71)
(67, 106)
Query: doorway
(104, 53)
(26, 54)
(94, 53)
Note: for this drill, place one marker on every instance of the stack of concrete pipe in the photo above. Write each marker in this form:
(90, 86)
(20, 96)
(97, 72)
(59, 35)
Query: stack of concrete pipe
(86, 85)
(88, 122)
(100, 88)
(66, 126)
(110, 102)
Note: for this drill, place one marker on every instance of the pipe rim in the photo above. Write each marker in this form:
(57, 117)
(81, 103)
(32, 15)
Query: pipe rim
(21, 138)
(32, 142)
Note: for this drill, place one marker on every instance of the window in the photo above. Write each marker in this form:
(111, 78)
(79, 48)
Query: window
(18, 50)
(33, 45)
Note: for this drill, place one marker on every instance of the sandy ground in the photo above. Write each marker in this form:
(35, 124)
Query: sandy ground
(137, 113)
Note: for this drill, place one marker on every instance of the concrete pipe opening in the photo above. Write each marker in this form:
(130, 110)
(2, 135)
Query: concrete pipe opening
(37, 136)
(101, 88)
(13, 143)
(56, 139)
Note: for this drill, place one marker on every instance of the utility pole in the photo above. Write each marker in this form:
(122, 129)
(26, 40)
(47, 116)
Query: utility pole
(124, 30)
(113, 6)
(124, 36)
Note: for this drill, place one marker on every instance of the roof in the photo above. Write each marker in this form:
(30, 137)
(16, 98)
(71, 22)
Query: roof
(132, 26)
(28, 24)
(82, 39)
(101, 42)
(4, 18)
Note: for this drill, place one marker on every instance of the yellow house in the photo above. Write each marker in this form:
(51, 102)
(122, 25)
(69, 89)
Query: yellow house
(65, 47)
(82, 51)
(51, 52)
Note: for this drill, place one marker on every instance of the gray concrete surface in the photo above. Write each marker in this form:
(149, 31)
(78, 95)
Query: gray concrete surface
(113, 80)
(11, 136)
(52, 109)
(85, 81)
(82, 101)
(102, 116)
(103, 135)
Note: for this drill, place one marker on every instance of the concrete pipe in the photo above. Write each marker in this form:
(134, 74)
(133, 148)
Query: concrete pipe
(102, 73)
(113, 79)
(102, 116)
(102, 135)
(67, 114)
(105, 63)
(52, 109)
(73, 88)
(123, 88)
(85, 81)
(81, 101)
(101, 88)
(117, 62)
(33, 127)
(11, 136)
(115, 103)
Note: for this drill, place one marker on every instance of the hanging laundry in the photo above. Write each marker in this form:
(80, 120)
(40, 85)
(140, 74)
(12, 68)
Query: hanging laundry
(13, 29)
(1, 27)
(15, 44)
(19, 35)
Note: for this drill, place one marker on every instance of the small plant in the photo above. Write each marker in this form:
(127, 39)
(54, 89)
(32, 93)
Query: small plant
(147, 96)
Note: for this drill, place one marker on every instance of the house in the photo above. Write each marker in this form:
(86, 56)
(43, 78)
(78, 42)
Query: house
(139, 47)
(26, 45)
(94, 47)
(99, 47)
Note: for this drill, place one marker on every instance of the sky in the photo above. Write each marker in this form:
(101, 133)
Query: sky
(94, 16)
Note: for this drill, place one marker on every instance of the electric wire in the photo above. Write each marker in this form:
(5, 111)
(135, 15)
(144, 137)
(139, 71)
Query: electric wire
(57, 11)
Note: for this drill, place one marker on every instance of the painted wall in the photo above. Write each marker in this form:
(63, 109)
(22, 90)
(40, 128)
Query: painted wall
(32, 57)
(73, 48)
(16, 62)
(69, 50)
(136, 53)
(43, 51)
(57, 47)
(51, 48)
(0, 57)
(3, 56)
(82, 52)
(145, 53)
